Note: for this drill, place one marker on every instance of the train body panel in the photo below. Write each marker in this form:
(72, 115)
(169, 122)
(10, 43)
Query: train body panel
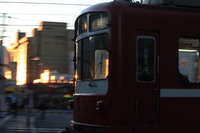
(134, 57)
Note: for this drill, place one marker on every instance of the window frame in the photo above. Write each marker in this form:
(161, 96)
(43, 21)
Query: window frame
(153, 80)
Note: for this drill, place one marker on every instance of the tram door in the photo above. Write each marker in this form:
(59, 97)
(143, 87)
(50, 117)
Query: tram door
(147, 78)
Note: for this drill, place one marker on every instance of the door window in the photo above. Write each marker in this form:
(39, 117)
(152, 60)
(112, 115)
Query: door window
(146, 59)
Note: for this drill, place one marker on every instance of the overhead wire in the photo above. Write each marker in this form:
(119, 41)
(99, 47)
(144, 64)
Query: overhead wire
(9, 15)
(41, 3)
(32, 25)
(39, 14)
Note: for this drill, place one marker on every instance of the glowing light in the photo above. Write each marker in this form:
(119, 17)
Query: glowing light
(21, 73)
(51, 85)
(68, 96)
(62, 77)
(107, 66)
(8, 75)
(53, 77)
(21, 59)
(36, 81)
(84, 26)
(45, 76)
(76, 76)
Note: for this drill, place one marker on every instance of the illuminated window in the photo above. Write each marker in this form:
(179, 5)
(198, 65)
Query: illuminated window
(188, 60)
(53, 77)
(36, 81)
(8, 74)
(62, 77)
(45, 76)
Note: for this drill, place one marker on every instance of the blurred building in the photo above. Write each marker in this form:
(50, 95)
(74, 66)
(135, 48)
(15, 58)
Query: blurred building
(4, 61)
(5, 77)
(50, 47)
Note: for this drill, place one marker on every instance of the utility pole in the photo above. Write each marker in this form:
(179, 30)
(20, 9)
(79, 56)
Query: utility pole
(3, 27)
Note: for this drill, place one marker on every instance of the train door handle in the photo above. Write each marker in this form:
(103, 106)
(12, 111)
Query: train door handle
(158, 65)
(136, 108)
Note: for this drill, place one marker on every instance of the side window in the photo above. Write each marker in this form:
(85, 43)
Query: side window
(188, 60)
(146, 58)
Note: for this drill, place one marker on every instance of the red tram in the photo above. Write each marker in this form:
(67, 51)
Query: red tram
(137, 67)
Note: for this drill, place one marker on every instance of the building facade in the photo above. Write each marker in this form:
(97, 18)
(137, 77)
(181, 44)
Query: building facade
(50, 47)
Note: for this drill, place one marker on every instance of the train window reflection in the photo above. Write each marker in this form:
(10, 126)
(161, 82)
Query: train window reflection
(98, 21)
(89, 53)
(188, 53)
(82, 24)
(145, 59)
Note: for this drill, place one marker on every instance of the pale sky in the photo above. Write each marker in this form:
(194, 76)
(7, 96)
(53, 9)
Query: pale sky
(24, 15)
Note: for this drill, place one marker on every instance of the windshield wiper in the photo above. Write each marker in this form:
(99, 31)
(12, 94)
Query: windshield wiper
(93, 74)
(92, 79)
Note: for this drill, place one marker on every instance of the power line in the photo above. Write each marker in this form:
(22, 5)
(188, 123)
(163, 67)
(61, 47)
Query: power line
(29, 25)
(12, 2)
(4, 30)
(9, 17)
(40, 14)
(25, 19)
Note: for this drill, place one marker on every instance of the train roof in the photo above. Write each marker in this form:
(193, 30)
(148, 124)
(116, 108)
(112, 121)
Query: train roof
(179, 4)
(167, 3)
(182, 3)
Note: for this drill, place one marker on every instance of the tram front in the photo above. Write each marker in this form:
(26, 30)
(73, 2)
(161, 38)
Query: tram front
(91, 72)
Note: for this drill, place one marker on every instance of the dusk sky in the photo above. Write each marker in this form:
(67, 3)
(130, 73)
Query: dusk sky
(24, 15)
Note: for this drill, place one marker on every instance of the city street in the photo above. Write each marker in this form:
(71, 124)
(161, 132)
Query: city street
(23, 122)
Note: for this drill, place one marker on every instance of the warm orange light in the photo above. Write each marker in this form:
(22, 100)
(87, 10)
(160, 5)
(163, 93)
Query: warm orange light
(8, 75)
(62, 77)
(107, 67)
(21, 59)
(76, 76)
(21, 73)
(36, 81)
(84, 26)
(53, 77)
(45, 76)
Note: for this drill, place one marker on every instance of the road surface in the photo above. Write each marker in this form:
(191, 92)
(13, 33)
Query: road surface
(24, 122)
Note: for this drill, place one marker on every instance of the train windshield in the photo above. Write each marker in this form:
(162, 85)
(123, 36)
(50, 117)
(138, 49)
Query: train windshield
(92, 22)
(92, 57)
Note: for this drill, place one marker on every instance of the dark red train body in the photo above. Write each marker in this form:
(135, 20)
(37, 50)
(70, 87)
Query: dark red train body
(137, 68)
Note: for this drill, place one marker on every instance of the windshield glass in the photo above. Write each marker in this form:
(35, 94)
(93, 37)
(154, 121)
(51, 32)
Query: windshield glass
(92, 57)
